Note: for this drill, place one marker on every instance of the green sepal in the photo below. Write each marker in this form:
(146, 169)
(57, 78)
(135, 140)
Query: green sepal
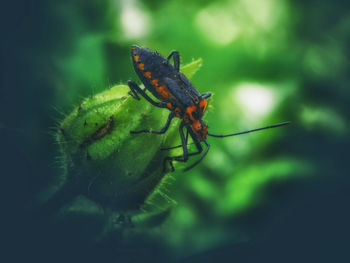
(113, 168)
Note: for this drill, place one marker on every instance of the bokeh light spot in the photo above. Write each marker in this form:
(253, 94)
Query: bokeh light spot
(218, 25)
(255, 100)
(135, 22)
(264, 14)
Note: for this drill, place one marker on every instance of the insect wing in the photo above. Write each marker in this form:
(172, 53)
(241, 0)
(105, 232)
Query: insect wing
(178, 92)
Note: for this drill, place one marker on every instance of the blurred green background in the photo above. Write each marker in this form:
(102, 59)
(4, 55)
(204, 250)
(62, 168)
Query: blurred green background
(274, 196)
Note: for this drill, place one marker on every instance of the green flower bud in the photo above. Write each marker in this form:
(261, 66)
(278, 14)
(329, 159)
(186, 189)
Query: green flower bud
(110, 166)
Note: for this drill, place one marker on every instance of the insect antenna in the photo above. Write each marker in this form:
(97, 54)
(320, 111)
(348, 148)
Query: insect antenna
(174, 147)
(254, 130)
(201, 158)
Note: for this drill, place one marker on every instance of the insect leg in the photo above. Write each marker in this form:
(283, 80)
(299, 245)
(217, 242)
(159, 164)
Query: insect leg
(163, 130)
(134, 89)
(176, 56)
(200, 149)
(178, 146)
(183, 158)
(184, 146)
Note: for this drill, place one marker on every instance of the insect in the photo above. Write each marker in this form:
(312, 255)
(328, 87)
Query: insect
(176, 93)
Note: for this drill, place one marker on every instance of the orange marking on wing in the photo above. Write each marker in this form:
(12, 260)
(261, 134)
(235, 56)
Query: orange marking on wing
(154, 82)
(147, 74)
(177, 112)
(169, 105)
(141, 66)
(136, 58)
(160, 89)
(165, 93)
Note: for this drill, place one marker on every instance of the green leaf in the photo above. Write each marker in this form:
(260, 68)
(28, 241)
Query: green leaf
(190, 69)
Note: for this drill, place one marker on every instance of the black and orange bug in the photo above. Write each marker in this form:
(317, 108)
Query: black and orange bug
(176, 93)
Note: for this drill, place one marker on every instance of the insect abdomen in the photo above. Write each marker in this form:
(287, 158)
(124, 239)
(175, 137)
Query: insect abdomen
(151, 69)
